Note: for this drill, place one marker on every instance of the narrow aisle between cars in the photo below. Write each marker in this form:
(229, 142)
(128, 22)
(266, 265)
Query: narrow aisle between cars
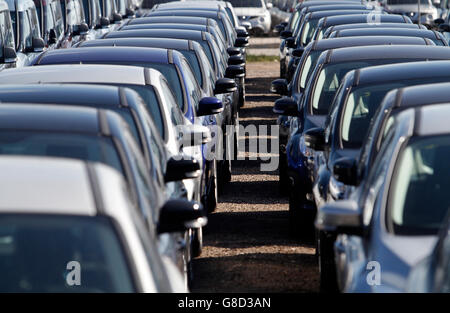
(247, 247)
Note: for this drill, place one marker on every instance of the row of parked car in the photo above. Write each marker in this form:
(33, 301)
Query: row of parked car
(364, 142)
(114, 129)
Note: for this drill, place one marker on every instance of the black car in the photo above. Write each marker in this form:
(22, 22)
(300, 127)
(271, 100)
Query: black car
(436, 36)
(330, 21)
(331, 29)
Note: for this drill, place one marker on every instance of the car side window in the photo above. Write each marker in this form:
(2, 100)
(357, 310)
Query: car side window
(175, 112)
(193, 89)
(6, 30)
(58, 17)
(27, 34)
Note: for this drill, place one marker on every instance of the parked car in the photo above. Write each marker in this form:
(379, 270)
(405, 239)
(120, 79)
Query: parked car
(27, 33)
(291, 28)
(292, 160)
(77, 139)
(318, 102)
(64, 214)
(227, 86)
(428, 11)
(331, 29)
(254, 12)
(330, 21)
(96, 21)
(306, 30)
(406, 180)
(8, 56)
(433, 35)
(51, 22)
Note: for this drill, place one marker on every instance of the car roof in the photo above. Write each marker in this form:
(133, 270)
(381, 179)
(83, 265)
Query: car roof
(338, 6)
(200, 13)
(402, 71)
(164, 33)
(305, 4)
(188, 4)
(420, 94)
(333, 43)
(385, 52)
(72, 94)
(58, 186)
(76, 73)
(388, 31)
(362, 18)
(379, 25)
(432, 120)
(136, 54)
(321, 14)
(40, 117)
(166, 19)
(169, 43)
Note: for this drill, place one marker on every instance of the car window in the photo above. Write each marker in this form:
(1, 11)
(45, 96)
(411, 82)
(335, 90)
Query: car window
(209, 71)
(35, 250)
(25, 29)
(58, 17)
(6, 30)
(175, 113)
(194, 63)
(66, 145)
(246, 3)
(192, 87)
(418, 202)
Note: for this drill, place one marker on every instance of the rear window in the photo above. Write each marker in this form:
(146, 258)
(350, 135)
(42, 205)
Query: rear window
(35, 252)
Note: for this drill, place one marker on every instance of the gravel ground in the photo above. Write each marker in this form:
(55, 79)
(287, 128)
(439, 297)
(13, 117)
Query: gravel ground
(264, 46)
(246, 243)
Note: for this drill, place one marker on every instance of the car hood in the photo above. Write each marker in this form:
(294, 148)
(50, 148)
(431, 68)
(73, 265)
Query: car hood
(249, 11)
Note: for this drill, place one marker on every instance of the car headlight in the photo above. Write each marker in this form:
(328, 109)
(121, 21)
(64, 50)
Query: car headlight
(336, 188)
(261, 19)
(307, 152)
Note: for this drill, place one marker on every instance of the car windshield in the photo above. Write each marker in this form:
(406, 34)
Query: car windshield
(360, 107)
(418, 201)
(330, 78)
(39, 253)
(246, 3)
(67, 145)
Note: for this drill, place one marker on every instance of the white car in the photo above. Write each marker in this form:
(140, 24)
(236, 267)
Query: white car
(254, 12)
(428, 12)
(69, 226)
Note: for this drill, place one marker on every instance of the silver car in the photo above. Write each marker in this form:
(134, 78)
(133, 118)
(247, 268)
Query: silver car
(70, 226)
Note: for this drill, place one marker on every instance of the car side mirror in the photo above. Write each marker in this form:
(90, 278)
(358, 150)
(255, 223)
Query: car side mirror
(279, 86)
(290, 42)
(181, 169)
(344, 170)
(104, 23)
(38, 44)
(235, 71)
(439, 21)
(285, 106)
(81, 30)
(179, 215)
(233, 51)
(193, 135)
(342, 217)
(129, 12)
(242, 32)
(241, 42)
(236, 60)
(209, 106)
(286, 34)
(225, 85)
(280, 27)
(315, 138)
(444, 28)
(9, 55)
(117, 18)
(298, 52)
